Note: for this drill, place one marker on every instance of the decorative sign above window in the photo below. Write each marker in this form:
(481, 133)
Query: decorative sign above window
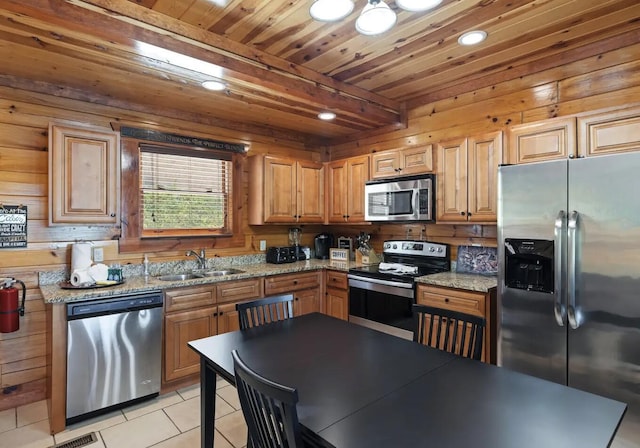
(174, 139)
(13, 226)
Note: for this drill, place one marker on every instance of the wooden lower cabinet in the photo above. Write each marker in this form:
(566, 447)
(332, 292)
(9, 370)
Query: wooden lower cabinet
(228, 318)
(180, 328)
(470, 302)
(337, 295)
(306, 301)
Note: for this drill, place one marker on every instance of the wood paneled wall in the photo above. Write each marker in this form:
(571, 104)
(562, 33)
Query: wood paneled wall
(609, 80)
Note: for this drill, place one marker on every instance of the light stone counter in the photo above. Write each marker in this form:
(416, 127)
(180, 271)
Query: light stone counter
(470, 282)
(53, 293)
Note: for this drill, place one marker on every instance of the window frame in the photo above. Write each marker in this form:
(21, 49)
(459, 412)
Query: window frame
(205, 154)
(132, 238)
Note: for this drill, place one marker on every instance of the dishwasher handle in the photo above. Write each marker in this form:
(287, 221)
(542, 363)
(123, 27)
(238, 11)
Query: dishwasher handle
(113, 305)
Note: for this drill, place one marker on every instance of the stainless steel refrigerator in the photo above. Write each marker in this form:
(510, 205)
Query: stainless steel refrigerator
(569, 277)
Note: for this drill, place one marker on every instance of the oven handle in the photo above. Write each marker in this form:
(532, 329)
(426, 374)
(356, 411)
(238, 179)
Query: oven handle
(381, 282)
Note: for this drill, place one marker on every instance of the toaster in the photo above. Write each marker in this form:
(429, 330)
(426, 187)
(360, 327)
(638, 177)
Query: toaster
(281, 254)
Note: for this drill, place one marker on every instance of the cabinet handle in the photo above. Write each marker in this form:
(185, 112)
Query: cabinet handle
(469, 214)
(446, 300)
(113, 215)
(295, 282)
(297, 298)
(215, 314)
(220, 313)
(462, 213)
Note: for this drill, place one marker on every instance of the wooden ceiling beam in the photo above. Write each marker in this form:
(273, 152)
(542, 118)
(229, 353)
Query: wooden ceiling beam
(125, 22)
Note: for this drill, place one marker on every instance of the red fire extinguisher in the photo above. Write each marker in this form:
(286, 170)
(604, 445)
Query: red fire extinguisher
(9, 308)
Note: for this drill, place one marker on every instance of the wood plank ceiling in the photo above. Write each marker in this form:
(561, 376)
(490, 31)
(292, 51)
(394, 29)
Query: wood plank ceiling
(282, 67)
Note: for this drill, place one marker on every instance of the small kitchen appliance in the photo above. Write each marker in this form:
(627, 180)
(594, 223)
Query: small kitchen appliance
(282, 254)
(381, 295)
(323, 242)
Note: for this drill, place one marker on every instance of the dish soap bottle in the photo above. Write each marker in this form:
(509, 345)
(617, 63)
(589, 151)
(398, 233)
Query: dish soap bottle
(145, 263)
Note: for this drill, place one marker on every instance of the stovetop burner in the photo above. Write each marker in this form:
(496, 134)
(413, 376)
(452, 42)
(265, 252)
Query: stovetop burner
(405, 259)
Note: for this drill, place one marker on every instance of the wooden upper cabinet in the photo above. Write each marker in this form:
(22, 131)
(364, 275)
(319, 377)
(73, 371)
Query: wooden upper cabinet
(345, 189)
(467, 171)
(402, 162)
(451, 178)
(610, 132)
(483, 158)
(84, 175)
(543, 140)
(283, 190)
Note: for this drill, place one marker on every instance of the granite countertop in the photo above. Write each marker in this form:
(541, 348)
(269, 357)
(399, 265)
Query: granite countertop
(53, 293)
(470, 282)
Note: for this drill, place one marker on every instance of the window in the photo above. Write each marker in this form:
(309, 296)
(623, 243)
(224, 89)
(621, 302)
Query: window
(185, 192)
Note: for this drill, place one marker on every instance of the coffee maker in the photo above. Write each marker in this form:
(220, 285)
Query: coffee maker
(323, 242)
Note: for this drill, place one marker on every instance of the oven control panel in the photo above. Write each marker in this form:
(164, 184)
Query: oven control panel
(420, 248)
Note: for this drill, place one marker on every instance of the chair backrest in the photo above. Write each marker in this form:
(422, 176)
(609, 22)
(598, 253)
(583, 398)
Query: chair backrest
(447, 330)
(269, 408)
(263, 311)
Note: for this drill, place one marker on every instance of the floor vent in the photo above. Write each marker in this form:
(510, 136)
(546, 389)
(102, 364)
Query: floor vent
(78, 442)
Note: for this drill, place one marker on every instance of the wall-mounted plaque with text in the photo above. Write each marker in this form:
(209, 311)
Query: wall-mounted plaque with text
(13, 226)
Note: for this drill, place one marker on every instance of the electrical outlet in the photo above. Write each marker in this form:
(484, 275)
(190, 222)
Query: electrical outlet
(263, 244)
(98, 254)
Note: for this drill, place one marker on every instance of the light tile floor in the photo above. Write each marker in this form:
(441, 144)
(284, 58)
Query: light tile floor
(169, 421)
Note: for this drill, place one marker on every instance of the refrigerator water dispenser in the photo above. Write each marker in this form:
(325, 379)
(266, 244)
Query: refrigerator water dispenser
(529, 264)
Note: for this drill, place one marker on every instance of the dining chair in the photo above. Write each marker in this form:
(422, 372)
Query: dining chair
(451, 331)
(269, 408)
(263, 311)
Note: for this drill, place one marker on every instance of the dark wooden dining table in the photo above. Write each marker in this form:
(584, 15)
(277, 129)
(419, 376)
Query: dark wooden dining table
(359, 388)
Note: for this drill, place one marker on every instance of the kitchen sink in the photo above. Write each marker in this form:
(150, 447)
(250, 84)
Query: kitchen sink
(216, 272)
(175, 277)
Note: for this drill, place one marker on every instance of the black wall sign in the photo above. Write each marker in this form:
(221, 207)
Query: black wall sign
(13, 226)
(163, 137)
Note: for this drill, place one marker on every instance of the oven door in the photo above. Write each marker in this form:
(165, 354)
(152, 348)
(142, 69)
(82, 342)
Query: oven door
(382, 305)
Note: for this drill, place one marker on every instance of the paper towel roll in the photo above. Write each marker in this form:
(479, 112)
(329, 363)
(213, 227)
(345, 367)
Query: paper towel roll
(81, 277)
(81, 256)
(99, 272)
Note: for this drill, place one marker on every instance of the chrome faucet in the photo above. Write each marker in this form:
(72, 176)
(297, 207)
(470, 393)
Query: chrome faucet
(202, 259)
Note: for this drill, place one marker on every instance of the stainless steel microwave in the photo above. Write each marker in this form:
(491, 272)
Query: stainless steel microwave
(410, 198)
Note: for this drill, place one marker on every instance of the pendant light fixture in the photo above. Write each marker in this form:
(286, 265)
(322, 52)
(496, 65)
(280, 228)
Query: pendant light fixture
(417, 5)
(375, 18)
(330, 10)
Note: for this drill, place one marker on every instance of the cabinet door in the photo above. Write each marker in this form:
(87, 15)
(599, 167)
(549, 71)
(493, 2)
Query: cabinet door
(543, 140)
(84, 176)
(306, 301)
(310, 195)
(357, 175)
(451, 193)
(337, 191)
(180, 328)
(607, 133)
(416, 160)
(338, 303)
(228, 318)
(385, 164)
(483, 157)
(279, 190)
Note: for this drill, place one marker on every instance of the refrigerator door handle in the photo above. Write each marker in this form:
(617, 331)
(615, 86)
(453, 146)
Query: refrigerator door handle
(573, 313)
(559, 310)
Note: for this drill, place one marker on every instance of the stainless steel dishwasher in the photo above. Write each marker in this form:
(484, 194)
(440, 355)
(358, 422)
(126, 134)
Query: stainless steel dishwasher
(114, 352)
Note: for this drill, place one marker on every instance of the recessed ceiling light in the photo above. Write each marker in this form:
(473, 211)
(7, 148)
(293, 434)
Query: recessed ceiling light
(214, 85)
(472, 37)
(326, 116)
(417, 5)
(330, 10)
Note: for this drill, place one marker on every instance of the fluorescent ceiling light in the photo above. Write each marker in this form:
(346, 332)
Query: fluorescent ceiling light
(330, 10)
(417, 5)
(327, 116)
(216, 86)
(472, 37)
(375, 18)
(179, 60)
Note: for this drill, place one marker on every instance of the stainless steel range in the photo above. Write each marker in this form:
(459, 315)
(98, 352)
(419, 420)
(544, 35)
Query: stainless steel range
(381, 296)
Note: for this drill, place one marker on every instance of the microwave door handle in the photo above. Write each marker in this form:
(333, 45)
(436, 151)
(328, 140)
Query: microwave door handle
(415, 203)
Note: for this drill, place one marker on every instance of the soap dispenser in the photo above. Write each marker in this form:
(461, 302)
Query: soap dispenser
(145, 263)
